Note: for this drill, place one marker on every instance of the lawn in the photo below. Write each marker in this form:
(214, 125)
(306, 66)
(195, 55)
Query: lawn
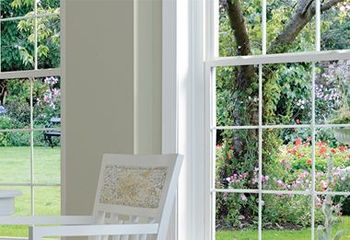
(304, 234)
(15, 168)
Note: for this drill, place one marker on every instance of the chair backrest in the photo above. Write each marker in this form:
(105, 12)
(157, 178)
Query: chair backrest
(137, 189)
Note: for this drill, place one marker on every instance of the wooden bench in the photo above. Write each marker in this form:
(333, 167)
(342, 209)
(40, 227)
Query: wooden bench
(49, 134)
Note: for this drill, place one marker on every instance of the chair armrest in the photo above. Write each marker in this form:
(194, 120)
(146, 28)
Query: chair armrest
(36, 233)
(47, 220)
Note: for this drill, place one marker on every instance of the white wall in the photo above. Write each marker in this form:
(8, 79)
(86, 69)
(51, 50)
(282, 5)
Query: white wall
(112, 89)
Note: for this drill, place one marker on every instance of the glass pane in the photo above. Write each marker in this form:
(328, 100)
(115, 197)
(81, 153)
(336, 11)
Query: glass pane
(11, 8)
(48, 5)
(23, 208)
(236, 216)
(287, 159)
(47, 102)
(49, 42)
(237, 159)
(17, 45)
(47, 157)
(15, 157)
(332, 92)
(237, 100)
(47, 201)
(287, 93)
(286, 217)
(335, 32)
(239, 28)
(14, 104)
(287, 31)
(333, 160)
(332, 217)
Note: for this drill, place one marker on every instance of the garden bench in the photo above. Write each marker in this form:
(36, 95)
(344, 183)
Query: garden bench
(49, 134)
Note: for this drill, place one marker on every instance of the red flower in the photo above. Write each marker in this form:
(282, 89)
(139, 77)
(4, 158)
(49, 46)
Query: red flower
(298, 142)
(343, 148)
(333, 151)
(292, 151)
(323, 150)
(309, 161)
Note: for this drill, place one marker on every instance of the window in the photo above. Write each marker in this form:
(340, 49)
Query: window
(279, 77)
(30, 106)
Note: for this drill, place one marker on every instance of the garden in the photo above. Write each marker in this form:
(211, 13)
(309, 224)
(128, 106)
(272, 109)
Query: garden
(30, 161)
(302, 151)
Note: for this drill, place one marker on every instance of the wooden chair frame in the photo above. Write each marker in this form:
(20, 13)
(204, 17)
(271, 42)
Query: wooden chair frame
(140, 222)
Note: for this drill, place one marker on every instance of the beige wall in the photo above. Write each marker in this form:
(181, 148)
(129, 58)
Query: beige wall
(148, 75)
(112, 89)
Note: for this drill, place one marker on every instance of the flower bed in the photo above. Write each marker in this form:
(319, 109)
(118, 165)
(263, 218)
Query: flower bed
(290, 171)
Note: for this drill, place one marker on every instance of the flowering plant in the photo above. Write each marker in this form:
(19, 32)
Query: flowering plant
(338, 74)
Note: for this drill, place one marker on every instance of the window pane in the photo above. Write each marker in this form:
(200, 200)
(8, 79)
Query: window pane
(15, 157)
(286, 217)
(335, 31)
(333, 160)
(337, 217)
(47, 102)
(290, 28)
(47, 157)
(236, 216)
(237, 100)
(239, 28)
(287, 159)
(47, 201)
(14, 104)
(23, 208)
(48, 4)
(332, 92)
(11, 8)
(49, 42)
(287, 93)
(237, 159)
(17, 45)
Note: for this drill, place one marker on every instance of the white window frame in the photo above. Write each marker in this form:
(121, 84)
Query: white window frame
(189, 56)
(31, 75)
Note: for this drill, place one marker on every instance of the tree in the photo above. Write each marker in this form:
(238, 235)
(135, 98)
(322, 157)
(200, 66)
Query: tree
(244, 86)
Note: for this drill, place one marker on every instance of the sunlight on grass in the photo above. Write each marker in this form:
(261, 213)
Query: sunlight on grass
(46, 171)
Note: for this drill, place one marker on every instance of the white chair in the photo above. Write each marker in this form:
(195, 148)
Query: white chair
(134, 200)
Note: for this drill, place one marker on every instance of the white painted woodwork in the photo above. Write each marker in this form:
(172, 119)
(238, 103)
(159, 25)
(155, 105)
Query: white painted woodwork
(111, 221)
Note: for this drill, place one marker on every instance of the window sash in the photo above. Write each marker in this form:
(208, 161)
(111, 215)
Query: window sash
(213, 60)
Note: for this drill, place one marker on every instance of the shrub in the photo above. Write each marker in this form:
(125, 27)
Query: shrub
(290, 169)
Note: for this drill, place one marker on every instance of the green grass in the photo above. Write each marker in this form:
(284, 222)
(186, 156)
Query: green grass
(15, 168)
(304, 234)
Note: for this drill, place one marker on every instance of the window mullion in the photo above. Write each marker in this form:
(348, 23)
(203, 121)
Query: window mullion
(318, 25)
(260, 148)
(264, 28)
(31, 148)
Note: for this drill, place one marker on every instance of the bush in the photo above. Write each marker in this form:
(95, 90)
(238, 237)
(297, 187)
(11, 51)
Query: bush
(289, 169)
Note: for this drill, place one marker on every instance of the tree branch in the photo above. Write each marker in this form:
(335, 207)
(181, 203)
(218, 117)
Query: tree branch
(239, 27)
(328, 5)
(302, 16)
